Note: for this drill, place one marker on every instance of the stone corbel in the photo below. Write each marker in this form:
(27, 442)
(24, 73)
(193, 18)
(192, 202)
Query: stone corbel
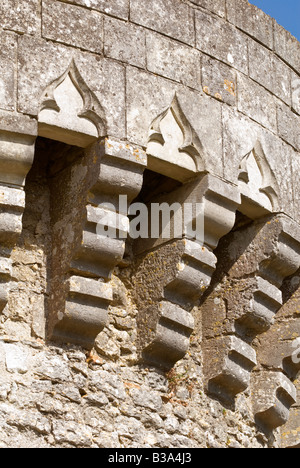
(279, 351)
(171, 278)
(16, 157)
(109, 169)
(255, 262)
(273, 394)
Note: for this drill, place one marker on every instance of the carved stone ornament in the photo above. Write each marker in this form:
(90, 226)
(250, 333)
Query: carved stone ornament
(176, 274)
(70, 112)
(244, 305)
(16, 157)
(174, 149)
(109, 168)
(257, 184)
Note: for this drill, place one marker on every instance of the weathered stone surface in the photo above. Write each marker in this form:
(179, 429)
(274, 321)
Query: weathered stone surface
(218, 80)
(16, 156)
(169, 17)
(228, 364)
(111, 385)
(269, 71)
(158, 94)
(172, 60)
(252, 20)
(295, 92)
(174, 148)
(288, 125)
(8, 51)
(142, 397)
(287, 46)
(124, 42)
(16, 358)
(18, 123)
(36, 74)
(216, 6)
(231, 46)
(93, 245)
(66, 23)
(245, 299)
(119, 8)
(105, 78)
(273, 395)
(256, 103)
(20, 15)
(70, 112)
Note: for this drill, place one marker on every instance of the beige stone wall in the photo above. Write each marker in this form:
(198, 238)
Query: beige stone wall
(114, 345)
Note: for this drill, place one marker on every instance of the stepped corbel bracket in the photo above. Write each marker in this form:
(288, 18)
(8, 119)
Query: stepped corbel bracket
(165, 300)
(228, 362)
(116, 169)
(273, 394)
(246, 301)
(257, 183)
(70, 112)
(16, 157)
(174, 148)
(284, 337)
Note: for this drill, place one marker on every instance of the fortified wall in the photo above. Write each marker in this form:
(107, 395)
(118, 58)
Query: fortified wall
(116, 341)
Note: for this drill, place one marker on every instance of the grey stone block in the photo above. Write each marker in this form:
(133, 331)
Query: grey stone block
(295, 92)
(221, 40)
(287, 46)
(21, 16)
(218, 80)
(172, 60)
(288, 126)
(171, 17)
(269, 71)
(273, 394)
(118, 8)
(8, 50)
(124, 42)
(72, 25)
(228, 362)
(256, 103)
(18, 123)
(252, 20)
(216, 6)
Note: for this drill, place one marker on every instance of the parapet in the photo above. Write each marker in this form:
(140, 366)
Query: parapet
(111, 108)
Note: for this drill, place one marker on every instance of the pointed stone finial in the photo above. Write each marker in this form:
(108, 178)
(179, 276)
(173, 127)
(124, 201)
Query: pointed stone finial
(70, 112)
(174, 148)
(258, 185)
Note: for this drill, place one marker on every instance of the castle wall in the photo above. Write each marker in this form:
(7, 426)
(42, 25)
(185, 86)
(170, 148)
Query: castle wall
(125, 344)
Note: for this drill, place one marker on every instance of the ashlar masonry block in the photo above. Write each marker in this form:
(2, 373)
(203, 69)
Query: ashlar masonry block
(20, 15)
(70, 24)
(118, 8)
(170, 17)
(273, 396)
(231, 46)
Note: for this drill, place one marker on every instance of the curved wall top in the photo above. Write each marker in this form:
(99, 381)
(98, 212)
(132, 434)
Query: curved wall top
(234, 70)
(184, 88)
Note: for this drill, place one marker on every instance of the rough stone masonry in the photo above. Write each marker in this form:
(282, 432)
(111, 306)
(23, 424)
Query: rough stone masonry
(117, 342)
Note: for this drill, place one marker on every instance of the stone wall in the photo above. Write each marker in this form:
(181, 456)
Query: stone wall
(121, 343)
